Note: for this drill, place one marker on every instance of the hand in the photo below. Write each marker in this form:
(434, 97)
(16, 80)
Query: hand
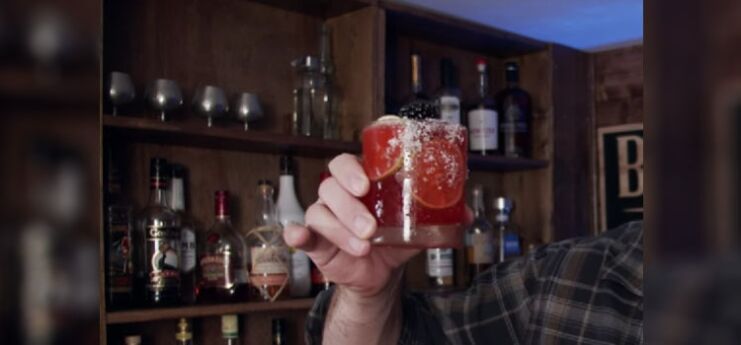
(337, 232)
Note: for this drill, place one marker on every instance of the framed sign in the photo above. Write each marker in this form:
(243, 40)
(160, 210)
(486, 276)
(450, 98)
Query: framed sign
(620, 150)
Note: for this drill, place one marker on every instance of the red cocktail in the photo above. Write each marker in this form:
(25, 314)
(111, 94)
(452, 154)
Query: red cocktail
(418, 172)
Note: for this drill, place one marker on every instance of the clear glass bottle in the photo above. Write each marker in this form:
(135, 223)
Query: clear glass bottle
(158, 224)
(480, 238)
(279, 332)
(510, 243)
(230, 329)
(187, 234)
(330, 101)
(483, 126)
(222, 275)
(270, 259)
(184, 336)
(119, 231)
(441, 268)
(448, 99)
(310, 95)
(290, 212)
(515, 107)
(418, 105)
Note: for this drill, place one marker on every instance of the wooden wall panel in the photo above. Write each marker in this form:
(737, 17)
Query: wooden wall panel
(618, 86)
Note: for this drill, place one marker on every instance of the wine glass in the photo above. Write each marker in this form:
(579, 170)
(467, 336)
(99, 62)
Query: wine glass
(164, 95)
(247, 108)
(210, 102)
(120, 90)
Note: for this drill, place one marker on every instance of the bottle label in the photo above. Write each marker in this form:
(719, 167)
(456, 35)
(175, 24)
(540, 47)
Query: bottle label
(269, 260)
(512, 245)
(481, 249)
(188, 249)
(483, 129)
(440, 262)
(229, 327)
(450, 109)
(216, 271)
(120, 264)
(163, 254)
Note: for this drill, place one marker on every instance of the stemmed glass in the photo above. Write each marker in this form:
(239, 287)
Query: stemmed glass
(120, 90)
(210, 102)
(164, 95)
(247, 108)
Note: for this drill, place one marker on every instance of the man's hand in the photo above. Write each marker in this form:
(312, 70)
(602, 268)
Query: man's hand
(337, 233)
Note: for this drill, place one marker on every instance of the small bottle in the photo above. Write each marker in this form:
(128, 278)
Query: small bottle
(515, 109)
(279, 329)
(184, 336)
(449, 96)
(510, 244)
(480, 239)
(440, 268)
(162, 240)
(418, 105)
(230, 329)
(133, 340)
(270, 259)
(223, 259)
(290, 212)
(119, 246)
(187, 234)
(483, 123)
(330, 99)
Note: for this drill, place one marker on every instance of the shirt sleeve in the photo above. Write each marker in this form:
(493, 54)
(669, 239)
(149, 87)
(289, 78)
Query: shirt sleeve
(496, 306)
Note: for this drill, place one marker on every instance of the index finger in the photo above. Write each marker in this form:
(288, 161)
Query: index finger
(350, 174)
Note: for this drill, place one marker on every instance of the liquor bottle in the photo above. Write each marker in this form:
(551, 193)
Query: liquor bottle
(119, 225)
(162, 240)
(440, 267)
(329, 101)
(184, 336)
(448, 99)
(290, 212)
(515, 109)
(510, 244)
(269, 256)
(482, 118)
(480, 239)
(279, 329)
(319, 282)
(133, 340)
(419, 105)
(223, 258)
(230, 329)
(187, 234)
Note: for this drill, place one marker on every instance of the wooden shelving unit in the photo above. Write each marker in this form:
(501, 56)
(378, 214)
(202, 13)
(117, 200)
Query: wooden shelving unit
(146, 315)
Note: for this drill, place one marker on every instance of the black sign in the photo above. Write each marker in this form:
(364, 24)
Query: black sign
(620, 175)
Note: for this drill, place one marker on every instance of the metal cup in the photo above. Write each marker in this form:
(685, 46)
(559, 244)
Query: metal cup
(247, 108)
(210, 102)
(164, 95)
(120, 90)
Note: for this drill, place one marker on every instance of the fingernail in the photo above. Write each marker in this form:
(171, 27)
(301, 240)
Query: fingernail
(363, 226)
(357, 245)
(358, 185)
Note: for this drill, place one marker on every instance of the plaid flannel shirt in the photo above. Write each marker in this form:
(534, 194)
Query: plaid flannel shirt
(578, 291)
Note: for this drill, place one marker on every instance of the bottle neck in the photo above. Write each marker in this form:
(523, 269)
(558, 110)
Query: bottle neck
(478, 205)
(512, 84)
(177, 195)
(287, 193)
(483, 84)
(502, 217)
(158, 193)
(267, 214)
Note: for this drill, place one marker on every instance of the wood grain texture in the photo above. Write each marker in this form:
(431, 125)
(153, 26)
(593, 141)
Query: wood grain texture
(618, 86)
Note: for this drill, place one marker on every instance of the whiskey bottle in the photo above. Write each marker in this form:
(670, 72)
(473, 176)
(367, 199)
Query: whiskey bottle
(515, 109)
(418, 105)
(482, 118)
(448, 99)
(223, 259)
(158, 223)
(480, 239)
(510, 244)
(441, 268)
(269, 255)
(119, 246)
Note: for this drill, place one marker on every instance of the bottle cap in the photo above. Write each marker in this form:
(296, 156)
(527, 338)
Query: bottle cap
(133, 340)
(512, 71)
(286, 165)
(503, 204)
(481, 64)
(183, 333)
(229, 326)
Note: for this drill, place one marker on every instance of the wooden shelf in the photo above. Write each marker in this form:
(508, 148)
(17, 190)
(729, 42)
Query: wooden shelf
(319, 8)
(145, 315)
(194, 132)
(503, 164)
